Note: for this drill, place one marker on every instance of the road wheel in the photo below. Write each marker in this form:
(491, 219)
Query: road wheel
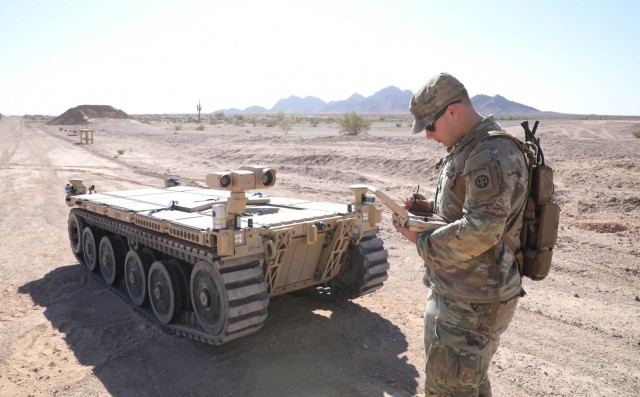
(136, 267)
(165, 290)
(111, 253)
(89, 249)
(75, 225)
(208, 297)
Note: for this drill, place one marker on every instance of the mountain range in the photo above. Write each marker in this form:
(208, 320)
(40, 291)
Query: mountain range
(390, 100)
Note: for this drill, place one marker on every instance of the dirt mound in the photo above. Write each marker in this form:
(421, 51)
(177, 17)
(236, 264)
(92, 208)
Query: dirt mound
(81, 114)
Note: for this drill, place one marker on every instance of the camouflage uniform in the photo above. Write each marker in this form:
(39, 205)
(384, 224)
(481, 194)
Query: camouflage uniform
(481, 192)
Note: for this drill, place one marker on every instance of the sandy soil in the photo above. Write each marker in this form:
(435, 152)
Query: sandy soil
(576, 333)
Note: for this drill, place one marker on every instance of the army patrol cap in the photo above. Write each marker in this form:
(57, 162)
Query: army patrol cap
(432, 97)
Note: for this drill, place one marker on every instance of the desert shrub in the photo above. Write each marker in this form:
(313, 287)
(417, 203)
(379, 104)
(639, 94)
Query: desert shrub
(238, 120)
(286, 125)
(353, 124)
(121, 152)
(398, 125)
(200, 127)
(295, 119)
(219, 114)
(636, 134)
(314, 121)
(177, 127)
(36, 117)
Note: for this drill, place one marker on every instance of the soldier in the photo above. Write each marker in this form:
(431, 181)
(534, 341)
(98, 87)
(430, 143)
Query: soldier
(473, 277)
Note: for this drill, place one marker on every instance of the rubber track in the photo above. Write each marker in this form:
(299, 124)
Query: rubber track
(375, 265)
(244, 282)
(374, 257)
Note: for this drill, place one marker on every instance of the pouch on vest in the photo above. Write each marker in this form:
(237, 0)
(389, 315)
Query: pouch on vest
(541, 217)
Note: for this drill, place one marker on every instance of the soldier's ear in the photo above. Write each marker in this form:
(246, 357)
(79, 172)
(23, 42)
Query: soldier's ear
(453, 109)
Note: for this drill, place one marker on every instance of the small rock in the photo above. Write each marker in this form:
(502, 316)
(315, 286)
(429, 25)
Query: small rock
(576, 296)
(365, 347)
(637, 298)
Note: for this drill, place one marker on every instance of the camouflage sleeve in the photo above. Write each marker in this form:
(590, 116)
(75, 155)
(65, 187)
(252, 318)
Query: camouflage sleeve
(493, 176)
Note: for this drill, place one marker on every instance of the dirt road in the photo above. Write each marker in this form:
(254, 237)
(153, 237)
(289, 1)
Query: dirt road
(575, 334)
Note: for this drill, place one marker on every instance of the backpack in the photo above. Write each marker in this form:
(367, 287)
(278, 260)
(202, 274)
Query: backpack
(541, 217)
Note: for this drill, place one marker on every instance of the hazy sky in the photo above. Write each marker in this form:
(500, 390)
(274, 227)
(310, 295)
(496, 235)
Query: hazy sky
(163, 56)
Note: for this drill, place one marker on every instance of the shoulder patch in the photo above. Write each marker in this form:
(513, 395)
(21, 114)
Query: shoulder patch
(482, 177)
(477, 160)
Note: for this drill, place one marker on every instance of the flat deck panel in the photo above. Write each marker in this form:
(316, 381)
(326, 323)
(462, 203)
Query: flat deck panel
(285, 201)
(323, 206)
(290, 216)
(135, 192)
(171, 216)
(126, 204)
(159, 198)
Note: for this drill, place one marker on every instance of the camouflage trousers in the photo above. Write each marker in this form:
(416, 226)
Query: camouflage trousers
(460, 339)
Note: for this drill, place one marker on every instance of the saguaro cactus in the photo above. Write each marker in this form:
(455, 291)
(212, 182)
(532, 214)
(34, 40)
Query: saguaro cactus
(199, 107)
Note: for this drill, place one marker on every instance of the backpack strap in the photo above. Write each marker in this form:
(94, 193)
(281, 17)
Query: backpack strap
(515, 246)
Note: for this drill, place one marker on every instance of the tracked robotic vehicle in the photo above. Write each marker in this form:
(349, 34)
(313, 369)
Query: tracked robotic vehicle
(204, 262)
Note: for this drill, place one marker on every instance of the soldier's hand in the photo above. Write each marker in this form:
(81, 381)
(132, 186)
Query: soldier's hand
(418, 203)
(410, 235)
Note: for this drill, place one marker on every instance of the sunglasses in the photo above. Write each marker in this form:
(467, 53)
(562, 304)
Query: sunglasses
(431, 127)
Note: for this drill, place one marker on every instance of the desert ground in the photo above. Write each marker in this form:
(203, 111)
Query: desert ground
(576, 333)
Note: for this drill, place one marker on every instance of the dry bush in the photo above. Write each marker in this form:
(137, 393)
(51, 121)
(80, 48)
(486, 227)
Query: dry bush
(353, 124)
(286, 125)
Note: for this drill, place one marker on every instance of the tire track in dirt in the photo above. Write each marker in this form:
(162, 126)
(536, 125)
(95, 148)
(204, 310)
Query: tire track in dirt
(34, 168)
